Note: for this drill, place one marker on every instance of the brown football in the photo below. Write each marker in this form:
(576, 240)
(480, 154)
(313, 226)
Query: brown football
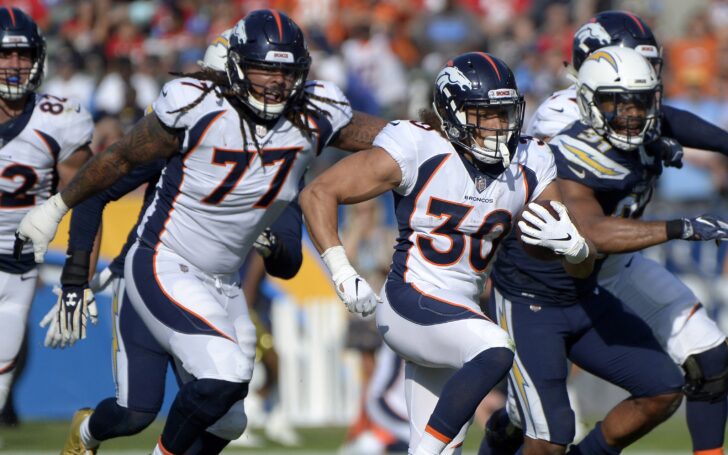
(538, 252)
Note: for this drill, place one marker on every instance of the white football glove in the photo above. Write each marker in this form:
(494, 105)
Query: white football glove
(68, 318)
(39, 226)
(351, 288)
(560, 236)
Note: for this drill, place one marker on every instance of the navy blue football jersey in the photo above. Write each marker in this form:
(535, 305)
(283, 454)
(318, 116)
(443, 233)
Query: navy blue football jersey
(623, 184)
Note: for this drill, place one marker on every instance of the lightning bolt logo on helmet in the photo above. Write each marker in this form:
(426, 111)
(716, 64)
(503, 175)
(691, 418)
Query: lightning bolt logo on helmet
(603, 55)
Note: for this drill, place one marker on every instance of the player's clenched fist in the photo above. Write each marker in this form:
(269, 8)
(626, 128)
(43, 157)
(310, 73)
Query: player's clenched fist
(39, 226)
(351, 288)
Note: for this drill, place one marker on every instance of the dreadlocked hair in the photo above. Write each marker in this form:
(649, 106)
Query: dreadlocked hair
(220, 82)
(429, 116)
(298, 114)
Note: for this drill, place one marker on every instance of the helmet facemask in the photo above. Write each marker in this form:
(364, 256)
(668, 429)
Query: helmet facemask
(624, 117)
(488, 129)
(17, 82)
(267, 100)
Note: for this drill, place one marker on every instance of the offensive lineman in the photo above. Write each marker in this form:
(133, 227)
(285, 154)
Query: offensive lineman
(237, 149)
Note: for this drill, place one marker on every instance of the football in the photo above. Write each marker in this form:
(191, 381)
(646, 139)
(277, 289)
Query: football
(538, 252)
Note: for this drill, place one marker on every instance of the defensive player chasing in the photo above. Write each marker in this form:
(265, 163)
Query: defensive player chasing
(237, 150)
(43, 140)
(458, 181)
(694, 343)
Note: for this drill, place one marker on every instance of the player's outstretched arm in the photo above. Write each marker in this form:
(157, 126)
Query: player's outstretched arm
(612, 234)
(692, 131)
(359, 134)
(148, 140)
(356, 178)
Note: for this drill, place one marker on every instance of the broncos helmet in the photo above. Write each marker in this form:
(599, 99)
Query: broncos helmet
(619, 93)
(19, 31)
(477, 80)
(267, 40)
(616, 28)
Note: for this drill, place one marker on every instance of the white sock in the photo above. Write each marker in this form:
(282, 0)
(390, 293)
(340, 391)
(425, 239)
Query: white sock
(159, 451)
(86, 438)
(5, 380)
(429, 445)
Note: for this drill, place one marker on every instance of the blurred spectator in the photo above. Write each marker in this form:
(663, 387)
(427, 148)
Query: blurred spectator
(125, 93)
(371, 58)
(692, 59)
(69, 80)
(448, 32)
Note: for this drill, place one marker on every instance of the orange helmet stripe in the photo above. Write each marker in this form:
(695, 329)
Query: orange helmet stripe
(278, 23)
(12, 15)
(492, 63)
(636, 21)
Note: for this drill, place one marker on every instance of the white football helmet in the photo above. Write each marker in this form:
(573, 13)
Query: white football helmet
(618, 93)
(216, 53)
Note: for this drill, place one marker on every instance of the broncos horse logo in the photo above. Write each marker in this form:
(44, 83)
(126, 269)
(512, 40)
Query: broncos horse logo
(451, 75)
(592, 36)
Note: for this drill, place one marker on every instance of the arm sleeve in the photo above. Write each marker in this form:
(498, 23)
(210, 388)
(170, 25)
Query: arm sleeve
(286, 259)
(692, 131)
(86, 217)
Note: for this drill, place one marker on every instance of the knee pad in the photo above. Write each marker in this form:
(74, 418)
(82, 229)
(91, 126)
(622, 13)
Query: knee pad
(706, 375)
(212, 397)
(232, 425)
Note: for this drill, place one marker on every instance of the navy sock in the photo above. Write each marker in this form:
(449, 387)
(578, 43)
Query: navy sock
(706, 420)
(109, 420)
(464, 391)
(594, 444)
(207, 444)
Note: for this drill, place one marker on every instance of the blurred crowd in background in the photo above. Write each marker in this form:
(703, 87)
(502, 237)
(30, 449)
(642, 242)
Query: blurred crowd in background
(114, 57)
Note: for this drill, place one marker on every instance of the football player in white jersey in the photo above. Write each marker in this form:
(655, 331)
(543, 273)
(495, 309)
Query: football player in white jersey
(459, 179)
(631, 277)
(43, 140)
(237, 148)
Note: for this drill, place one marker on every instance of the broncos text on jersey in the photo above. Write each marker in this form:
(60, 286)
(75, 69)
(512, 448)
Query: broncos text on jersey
(219, 193)
(451, 215)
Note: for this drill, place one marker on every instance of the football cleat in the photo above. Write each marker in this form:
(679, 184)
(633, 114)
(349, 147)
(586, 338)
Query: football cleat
(73, 445)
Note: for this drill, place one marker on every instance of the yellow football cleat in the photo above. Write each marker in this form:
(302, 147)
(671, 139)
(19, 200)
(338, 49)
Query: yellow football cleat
(73, 445)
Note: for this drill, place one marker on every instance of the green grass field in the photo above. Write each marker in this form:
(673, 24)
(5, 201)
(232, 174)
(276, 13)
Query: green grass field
(47, 438)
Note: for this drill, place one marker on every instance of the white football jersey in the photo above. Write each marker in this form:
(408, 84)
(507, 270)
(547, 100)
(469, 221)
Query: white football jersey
(48, 131)
(219, 193)
(556, 113)
(451, 216)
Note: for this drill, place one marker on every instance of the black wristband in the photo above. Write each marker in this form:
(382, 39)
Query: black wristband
(76, 267)
(675, 229)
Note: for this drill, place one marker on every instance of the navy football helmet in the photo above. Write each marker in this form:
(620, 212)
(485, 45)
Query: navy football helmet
(19, 32)
(616, 28)
(267, 40)
(479, 82)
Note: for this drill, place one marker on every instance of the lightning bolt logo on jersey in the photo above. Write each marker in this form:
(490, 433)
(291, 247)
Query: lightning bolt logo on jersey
(623, 183)
(451, 216)
(218, 194)
(47, 132)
